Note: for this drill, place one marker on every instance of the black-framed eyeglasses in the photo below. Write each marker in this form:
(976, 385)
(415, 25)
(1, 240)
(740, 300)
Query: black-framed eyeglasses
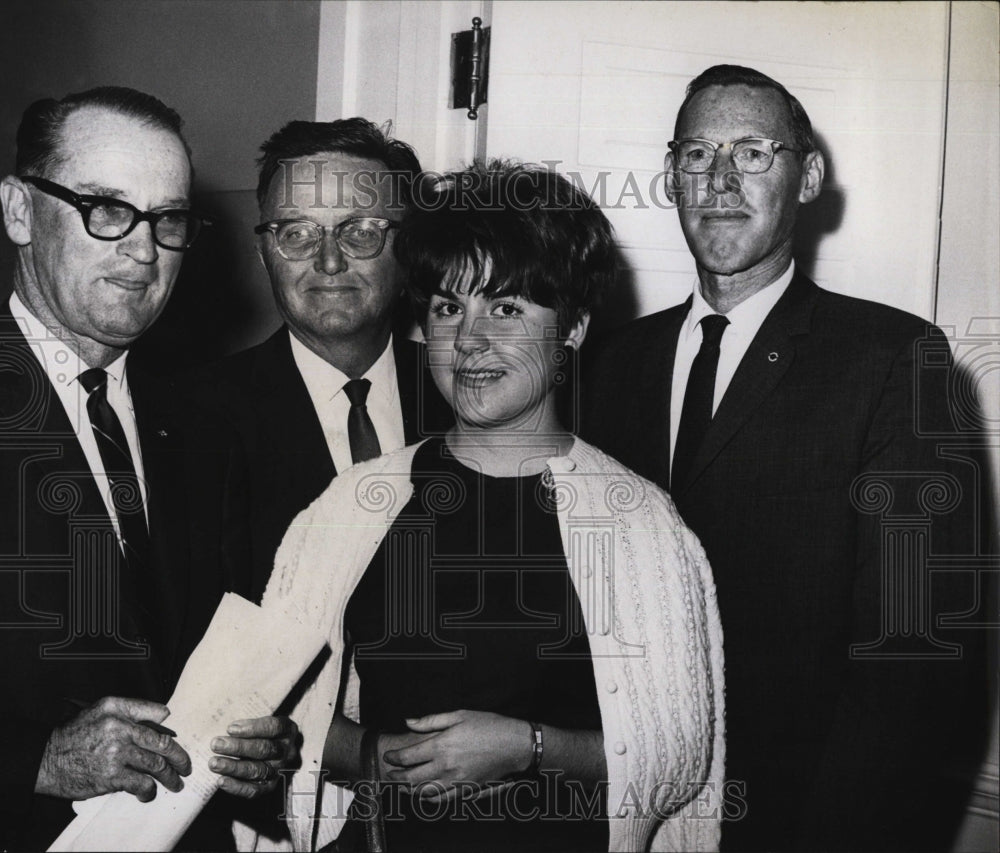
(106, 218)
(751, 155)
(361, 237)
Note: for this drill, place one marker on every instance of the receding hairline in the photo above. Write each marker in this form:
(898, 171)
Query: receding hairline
(774, 93)
(63, 144)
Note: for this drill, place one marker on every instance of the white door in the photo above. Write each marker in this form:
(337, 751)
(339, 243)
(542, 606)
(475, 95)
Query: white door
(596, 86)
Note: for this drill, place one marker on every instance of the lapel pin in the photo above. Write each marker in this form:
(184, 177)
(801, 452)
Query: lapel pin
(772, 357)
(162, 433)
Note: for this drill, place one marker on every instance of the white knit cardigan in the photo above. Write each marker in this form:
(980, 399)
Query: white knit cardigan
(652, 620)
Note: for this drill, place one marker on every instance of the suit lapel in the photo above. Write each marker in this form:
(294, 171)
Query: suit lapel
(766, 362)
(31, 409)
(164, 463)
(289, 423)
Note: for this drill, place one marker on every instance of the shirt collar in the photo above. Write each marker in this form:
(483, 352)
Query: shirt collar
(325, 381)
(749, 314)
(116, 370)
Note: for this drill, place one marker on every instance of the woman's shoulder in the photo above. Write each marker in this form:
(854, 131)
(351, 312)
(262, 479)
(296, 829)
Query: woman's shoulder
(621, 485)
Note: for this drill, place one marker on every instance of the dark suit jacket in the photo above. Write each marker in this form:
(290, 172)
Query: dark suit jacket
(66, 639)
(813, 493)
(262, 394)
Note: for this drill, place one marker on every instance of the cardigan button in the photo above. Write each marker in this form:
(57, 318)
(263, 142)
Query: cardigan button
(612, 687)
(562, 464)
(620, 748)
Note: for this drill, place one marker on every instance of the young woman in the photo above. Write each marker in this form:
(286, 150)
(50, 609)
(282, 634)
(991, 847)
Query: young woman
(525, 641)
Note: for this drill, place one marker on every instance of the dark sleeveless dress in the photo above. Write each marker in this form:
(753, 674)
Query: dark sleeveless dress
(468, 604)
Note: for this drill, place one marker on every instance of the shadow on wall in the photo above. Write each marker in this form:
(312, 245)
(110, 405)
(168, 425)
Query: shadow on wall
(820, 217)
(222, 301)
(973, 432)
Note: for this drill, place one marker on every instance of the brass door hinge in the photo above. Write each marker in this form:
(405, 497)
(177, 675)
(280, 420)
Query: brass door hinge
(470, 66)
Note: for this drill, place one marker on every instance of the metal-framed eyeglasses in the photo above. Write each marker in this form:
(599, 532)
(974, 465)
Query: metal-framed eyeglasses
(106, 218)
(750, 155)
(361, 237)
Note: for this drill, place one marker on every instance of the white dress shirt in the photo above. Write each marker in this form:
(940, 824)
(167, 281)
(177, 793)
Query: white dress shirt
(63, 368)
(325, 384)
(745, 321)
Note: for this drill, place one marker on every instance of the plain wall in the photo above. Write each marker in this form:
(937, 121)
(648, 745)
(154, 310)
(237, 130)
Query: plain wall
(236, 71)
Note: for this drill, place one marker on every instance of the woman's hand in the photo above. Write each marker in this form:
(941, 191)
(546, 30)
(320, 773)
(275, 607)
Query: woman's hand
(470, 749)
(254, 752)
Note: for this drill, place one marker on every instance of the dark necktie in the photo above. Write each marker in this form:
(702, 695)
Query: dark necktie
(698, 397)
(125, 493)
(134, 577)
(360, 429)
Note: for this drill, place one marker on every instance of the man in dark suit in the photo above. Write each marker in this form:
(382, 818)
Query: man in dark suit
(119, 533)
(805, 438)
(331, 195)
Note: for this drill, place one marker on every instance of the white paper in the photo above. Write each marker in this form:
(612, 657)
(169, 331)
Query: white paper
(244, 667)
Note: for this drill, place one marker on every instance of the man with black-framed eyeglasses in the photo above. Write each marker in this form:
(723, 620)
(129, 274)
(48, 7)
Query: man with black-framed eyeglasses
(799, 431)
(340, 381)
(106, 218)
(119, 530)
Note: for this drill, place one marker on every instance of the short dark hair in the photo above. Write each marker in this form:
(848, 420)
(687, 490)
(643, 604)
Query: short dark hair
(355, 137)
(518, 229)
(39, 136)
(738, 75)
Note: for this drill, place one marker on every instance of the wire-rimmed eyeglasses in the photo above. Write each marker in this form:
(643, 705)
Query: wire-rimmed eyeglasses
(106, 218)
(751, 155)
(361, 237)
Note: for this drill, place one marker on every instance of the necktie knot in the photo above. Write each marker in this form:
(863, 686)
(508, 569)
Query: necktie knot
(712, 328)
(357, 391)
(93, 379)
(360, 429)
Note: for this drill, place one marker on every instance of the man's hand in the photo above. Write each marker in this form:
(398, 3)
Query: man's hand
(460, 747)
(255, 750)
(106, 748)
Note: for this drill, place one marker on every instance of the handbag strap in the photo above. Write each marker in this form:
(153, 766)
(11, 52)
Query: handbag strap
(375, 825)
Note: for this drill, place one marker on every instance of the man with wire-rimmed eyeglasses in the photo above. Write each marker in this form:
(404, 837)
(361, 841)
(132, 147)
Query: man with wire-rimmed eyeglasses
(800, 433)
(119, 533)
(340, 381)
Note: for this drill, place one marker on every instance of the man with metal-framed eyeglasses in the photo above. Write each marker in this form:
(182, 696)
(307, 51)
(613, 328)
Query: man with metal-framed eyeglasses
(360, 237)
(118, 533)
(762, 402)
(750, 155)
(340, 381)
